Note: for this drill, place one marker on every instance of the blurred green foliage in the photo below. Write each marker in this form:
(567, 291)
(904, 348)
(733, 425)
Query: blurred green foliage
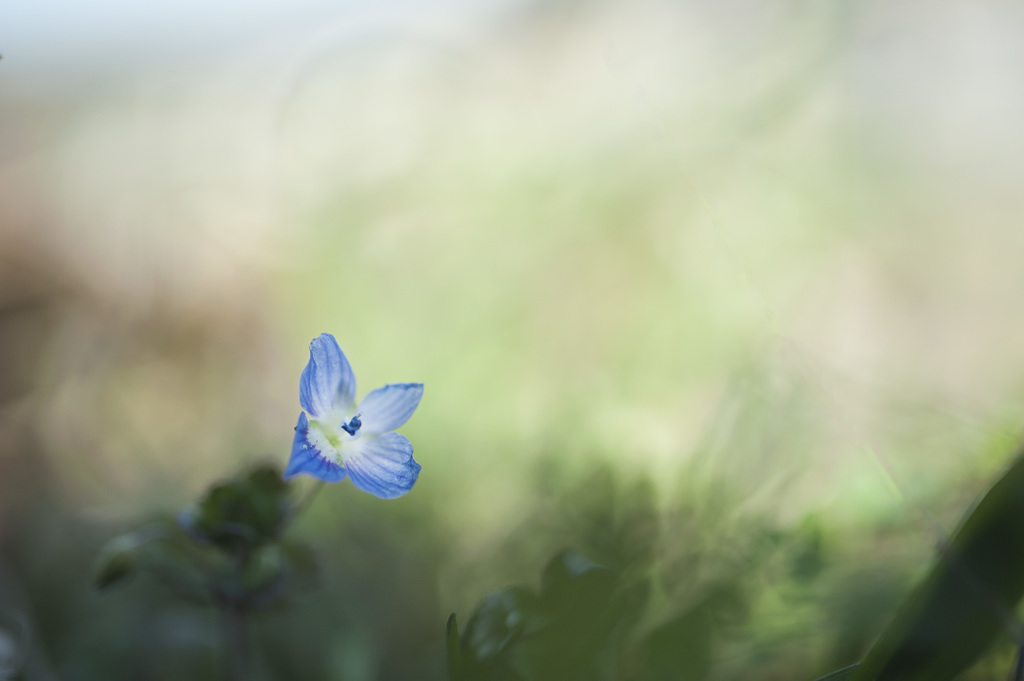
(689, 591)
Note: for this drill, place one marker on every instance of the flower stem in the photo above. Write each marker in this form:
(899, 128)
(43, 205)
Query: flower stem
(306, 500)
(236, 642)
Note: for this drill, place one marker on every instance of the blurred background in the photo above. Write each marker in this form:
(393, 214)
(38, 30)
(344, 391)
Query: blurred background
(724, 296)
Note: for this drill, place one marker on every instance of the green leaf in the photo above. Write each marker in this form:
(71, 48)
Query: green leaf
(453, 653)
(966, 600)
(500, 619)
(244, 512)
(568, 631)
(116, 562)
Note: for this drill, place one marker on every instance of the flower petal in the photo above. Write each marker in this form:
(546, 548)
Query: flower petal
(386, 409)
(381, 465)
(327, 382)
(306, 459)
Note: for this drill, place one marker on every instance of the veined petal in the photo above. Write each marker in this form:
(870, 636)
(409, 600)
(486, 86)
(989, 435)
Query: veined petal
(386, 409)
(306, 459)
(327, 382)
(381, 465)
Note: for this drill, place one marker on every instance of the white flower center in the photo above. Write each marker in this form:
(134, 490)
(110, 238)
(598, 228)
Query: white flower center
(329, 440)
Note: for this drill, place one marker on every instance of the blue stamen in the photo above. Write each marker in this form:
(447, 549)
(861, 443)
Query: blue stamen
(352, 426)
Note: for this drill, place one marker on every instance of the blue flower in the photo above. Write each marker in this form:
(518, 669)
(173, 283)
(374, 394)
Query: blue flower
(338, 438)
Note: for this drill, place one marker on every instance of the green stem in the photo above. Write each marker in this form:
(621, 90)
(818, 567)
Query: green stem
(306, 500)
(236, 642)
(233, 609)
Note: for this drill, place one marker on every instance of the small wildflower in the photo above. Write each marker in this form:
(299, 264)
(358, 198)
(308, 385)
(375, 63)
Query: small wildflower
(339, 439)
